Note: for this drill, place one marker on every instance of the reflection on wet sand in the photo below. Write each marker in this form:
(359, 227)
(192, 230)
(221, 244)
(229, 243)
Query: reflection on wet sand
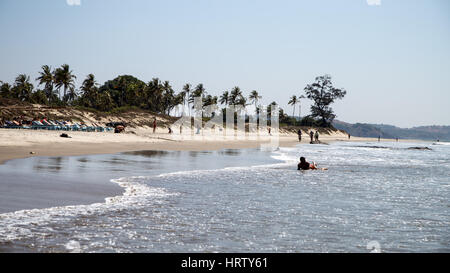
(51, 164)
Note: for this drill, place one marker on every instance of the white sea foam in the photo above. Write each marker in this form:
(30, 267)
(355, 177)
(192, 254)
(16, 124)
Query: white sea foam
(227, 169)
(23, 224)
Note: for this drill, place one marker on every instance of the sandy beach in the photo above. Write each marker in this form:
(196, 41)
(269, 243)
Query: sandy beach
(30, 143)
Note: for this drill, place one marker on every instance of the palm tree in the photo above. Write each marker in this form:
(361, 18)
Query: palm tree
(254, 97)
(181, 97)
(199, 91)
(293, 102)
(225, 98)
(72, 94)
(300, 106)
(5, 90)
(89, 88)
(64, 78)
(23, 87)
(187, 90)
(235, 95)
(89, 83)
(168, 96)
(47, 78)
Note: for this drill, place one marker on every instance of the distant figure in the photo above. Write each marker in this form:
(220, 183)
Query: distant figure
(348, 136)
(299, 133)
(268, 128)
(396, 139)
(379, 138)
(181, 129)
(170, 130)
(311, 135)
(154, 125)
(316, 136)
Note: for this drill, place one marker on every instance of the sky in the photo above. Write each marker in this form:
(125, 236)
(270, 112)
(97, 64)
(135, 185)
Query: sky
(392, 56)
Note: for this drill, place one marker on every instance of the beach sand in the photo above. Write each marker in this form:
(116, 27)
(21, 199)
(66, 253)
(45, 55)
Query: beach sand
(16, 143)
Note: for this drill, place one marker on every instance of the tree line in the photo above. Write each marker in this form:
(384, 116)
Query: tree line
(56, 87)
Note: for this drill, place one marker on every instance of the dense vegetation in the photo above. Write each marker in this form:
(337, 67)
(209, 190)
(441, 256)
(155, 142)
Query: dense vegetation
(56, 87)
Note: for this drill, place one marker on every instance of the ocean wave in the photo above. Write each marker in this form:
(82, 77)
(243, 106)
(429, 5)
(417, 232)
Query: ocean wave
(28, 223)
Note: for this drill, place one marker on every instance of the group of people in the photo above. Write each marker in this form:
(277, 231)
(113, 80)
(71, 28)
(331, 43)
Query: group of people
(312, 135)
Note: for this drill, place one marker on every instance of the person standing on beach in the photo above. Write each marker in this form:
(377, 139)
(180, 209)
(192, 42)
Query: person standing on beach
(349, 136)
(317, 136)
(154, 125)
(299, 133)
(379, 138)
(311, 135)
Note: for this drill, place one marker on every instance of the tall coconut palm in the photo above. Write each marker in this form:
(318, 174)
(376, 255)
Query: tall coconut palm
(181, 98)
(254, 98)
(225, 98)
(89, 83)
(187, 90)
(47, 78)
(64, 78)
(300, 106)
(168, 96)
(89, 89)
(235, 95)
(72, 94)
(23, 88)
(199, 91)
(293, 102)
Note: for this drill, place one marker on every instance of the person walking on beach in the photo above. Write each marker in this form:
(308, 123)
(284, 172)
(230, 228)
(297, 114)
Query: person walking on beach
(317, 136)
(379, 138)
(349, 136)
(299, 133)
(311, 135)
(154, 125)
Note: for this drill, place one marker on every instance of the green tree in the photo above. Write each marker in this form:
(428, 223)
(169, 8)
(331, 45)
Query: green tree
(39, 97)
(168, 97)
(65, 79)
(187, 91)
(254, 98)
(89, 90)
(293, 101)
(23, 88)
(199, 91)
(127, 90)
(323, 94)
(5, 90)
(225, 98)
(235, 96)
(47, 78)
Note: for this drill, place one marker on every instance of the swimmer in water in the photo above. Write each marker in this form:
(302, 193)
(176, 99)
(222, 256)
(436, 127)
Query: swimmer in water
(304, 166)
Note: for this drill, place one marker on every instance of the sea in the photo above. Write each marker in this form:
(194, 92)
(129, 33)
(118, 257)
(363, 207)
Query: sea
(374, 197)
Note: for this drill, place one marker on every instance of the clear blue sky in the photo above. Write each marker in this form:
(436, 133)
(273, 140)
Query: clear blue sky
(393, 58)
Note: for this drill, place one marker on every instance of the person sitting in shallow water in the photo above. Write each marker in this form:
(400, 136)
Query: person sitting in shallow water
(304, 166)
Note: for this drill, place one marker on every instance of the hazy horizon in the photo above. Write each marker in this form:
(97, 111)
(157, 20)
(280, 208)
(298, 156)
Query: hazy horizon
(392, 57)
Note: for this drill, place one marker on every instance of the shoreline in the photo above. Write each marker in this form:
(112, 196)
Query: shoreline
(49, 144)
